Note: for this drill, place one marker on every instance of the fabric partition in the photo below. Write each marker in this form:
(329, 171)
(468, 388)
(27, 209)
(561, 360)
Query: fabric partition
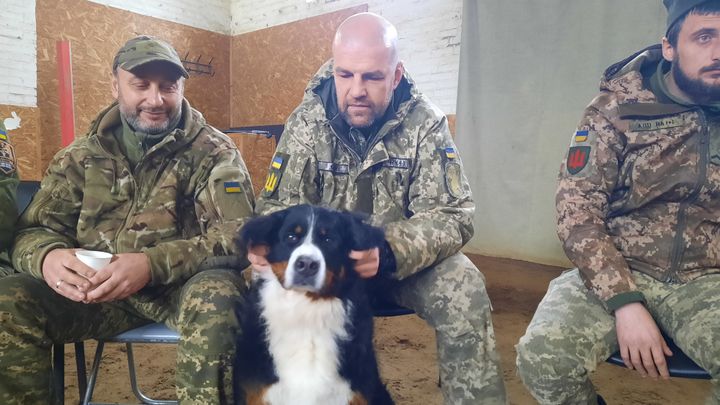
(527, 70)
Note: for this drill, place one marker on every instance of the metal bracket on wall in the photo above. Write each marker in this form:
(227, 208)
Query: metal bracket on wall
(195, 67)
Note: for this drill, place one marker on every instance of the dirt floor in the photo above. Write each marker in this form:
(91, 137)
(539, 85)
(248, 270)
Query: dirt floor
(406, 350)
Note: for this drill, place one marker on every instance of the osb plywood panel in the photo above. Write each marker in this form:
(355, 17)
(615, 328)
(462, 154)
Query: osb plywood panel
(270, 69)
(451, 123)
(25, 140)
(257, 151)
(95, 33)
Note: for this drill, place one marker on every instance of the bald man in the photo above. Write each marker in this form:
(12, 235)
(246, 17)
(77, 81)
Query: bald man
(365, 139)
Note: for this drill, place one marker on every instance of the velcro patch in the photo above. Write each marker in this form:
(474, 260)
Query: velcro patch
(335, 168)
(654, 125)
(578, 157)
(8, 163)
(277, 167)
(398, 163)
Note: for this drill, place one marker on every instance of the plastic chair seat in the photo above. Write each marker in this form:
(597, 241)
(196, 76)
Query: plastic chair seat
(679, 364)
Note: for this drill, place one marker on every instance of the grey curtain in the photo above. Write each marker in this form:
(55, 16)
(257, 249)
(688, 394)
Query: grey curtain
(527, 70)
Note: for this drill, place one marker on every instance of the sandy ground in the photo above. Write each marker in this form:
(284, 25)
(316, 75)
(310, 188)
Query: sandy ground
(406, 350)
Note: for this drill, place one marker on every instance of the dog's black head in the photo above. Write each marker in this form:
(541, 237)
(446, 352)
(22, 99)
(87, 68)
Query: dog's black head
(309, 246)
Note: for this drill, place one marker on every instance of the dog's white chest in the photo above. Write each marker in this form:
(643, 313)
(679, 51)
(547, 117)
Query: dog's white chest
(302, 338)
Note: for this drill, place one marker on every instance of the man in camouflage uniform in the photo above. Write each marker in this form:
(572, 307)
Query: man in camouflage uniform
(163, 191)
(639, 214)
(8, 206)
(365, 139)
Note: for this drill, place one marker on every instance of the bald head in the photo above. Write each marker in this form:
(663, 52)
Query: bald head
(367, 31)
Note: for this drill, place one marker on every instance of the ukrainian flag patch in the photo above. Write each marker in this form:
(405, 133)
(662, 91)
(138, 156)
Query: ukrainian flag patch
(450, 153)
(581, 136)
(3, 135)
(232, 187)
(277, 162)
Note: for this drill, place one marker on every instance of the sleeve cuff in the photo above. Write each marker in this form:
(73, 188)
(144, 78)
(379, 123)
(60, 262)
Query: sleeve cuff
(624, 298)
(387, 266)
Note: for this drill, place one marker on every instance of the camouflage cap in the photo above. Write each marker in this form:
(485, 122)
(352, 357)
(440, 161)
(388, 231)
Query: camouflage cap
(144, 49)
(678, 8)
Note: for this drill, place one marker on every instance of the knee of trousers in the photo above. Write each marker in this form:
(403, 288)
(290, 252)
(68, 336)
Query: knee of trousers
(207, 309)
(543, 356)
(457, 302)
(20, 306)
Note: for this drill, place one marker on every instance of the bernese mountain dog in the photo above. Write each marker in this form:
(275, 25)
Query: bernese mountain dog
(307, 325)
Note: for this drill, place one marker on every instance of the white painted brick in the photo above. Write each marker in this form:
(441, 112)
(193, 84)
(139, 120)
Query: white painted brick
(18, 53)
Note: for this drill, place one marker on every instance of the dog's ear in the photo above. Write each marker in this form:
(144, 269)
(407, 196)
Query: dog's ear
(261, 230)
(363, 235)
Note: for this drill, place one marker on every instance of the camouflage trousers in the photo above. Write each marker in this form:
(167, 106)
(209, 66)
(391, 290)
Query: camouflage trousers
(451, 297)
(33, 317)
(572, 332)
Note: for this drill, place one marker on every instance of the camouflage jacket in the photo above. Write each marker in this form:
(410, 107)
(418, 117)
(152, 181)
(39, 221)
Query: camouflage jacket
(8, 186)
(639, 189)
(411, 180)
(183, 202)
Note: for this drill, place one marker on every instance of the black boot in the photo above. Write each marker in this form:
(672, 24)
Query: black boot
(600, 400)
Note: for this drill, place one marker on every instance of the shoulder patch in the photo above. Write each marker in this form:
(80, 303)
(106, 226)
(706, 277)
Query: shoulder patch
(8, 162)
(232, 187)
(277, 167)
(578, 157)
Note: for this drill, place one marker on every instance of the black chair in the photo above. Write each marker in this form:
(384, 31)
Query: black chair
(679, 364)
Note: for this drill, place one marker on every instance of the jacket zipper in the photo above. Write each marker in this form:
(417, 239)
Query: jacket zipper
(678, 249)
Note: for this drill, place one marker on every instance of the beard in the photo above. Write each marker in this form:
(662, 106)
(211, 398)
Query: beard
(132, 117)
(698, 90)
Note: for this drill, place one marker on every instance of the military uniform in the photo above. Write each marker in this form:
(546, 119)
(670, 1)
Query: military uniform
(8, 206)
(181, 205)
(408, 177)
(638, 214)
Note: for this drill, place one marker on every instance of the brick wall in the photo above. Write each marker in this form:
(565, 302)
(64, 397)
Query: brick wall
(18, 45)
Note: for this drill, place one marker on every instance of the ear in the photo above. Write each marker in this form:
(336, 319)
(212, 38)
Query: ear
(668, 51)
(364, 236)
(399, 70)
(114, 85)
(261, 230)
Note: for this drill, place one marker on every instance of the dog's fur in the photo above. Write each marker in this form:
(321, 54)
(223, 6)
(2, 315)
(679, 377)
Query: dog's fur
(307, 324)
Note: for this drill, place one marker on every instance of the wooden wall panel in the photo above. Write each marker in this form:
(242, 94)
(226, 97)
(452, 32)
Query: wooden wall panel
(25, 140)
(270, 69)
(96, 32)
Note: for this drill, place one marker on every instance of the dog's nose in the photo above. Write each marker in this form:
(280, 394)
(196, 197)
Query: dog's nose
(306, 266)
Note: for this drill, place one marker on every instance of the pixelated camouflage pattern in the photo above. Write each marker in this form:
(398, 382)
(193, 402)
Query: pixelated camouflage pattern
(648, 198)
(33, 317)
(144, 49)
(174, 207)
(8, 214)
(572, 332)
(424, 224)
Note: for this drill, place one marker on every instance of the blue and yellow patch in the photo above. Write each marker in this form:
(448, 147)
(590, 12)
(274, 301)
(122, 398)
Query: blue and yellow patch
(581, 136)
(450, 153)
(3, 135)
(232, 187)
(277, 167)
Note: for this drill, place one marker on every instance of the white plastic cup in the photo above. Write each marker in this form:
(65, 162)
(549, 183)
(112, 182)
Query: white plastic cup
(94, 258)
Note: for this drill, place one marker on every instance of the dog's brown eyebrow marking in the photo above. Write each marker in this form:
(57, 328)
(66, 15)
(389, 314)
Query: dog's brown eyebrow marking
(298, 230)
(323, 231)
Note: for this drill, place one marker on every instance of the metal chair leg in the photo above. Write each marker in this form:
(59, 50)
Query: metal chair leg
(58, 373)
(94, 373)
(133, 382)
(81, 372)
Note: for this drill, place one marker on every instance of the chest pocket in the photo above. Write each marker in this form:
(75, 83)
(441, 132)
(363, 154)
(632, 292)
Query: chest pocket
(714, 134)
(392, 182)
(333, 185)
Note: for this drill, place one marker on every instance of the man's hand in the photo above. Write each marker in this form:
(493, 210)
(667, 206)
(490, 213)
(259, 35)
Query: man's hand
(257, 255)
(367, 262)
(641, 344)
(125, 275)
(66, 274)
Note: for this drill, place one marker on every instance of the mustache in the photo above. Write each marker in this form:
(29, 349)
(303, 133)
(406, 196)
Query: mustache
(710, 68)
